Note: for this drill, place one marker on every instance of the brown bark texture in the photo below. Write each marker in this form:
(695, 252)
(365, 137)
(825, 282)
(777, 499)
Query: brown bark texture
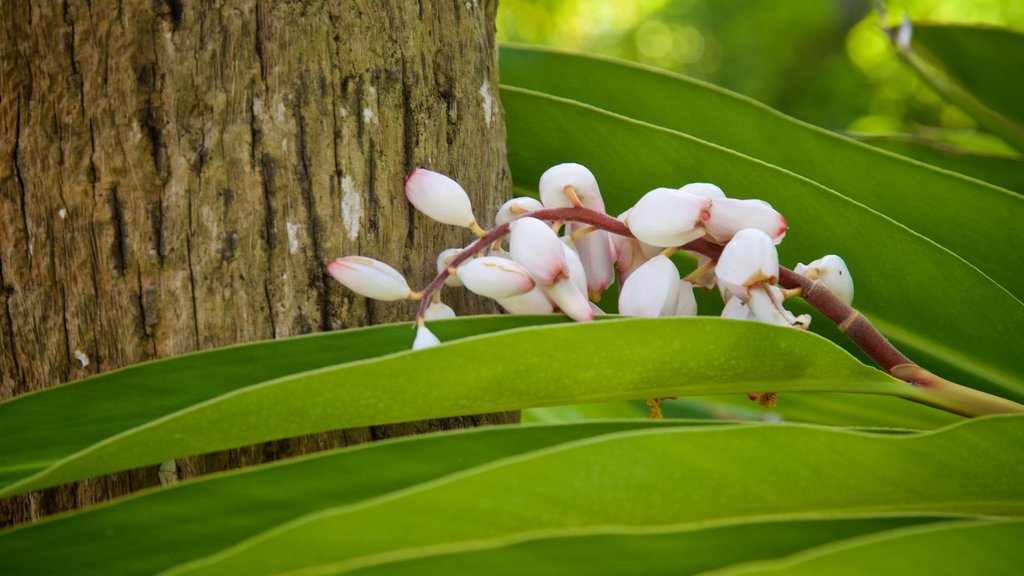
(174, 176)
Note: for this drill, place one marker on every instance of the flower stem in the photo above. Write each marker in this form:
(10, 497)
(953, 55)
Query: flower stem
(928, 388)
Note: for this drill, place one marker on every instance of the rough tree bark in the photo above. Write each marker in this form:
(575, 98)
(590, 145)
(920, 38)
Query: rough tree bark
(174, 175)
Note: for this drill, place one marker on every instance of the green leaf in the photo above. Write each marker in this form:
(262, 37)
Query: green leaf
(983, 60)
(45, 440)
(156, 530)
(970, 218)
(663, 477)
(953, 548)
(917, 293)
(1005, 171)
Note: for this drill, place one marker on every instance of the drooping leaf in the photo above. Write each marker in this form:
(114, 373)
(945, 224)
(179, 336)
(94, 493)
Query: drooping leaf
(601, 361)
(919, 294)
(156, 530)
(664, 477)
(926, 200)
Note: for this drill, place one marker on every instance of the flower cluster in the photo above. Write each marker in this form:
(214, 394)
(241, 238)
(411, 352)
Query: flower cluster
(563, 251)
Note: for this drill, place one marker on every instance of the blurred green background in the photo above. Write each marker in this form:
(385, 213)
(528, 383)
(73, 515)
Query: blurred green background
(822, 61)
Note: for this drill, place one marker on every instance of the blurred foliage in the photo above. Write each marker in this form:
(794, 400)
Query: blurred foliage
(823, 61)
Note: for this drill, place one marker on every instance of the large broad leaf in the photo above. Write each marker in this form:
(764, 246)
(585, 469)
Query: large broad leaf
(45, 440)
(667, 478)
(157, 530)
(968, 217)
(919, 294)
(1005, 171)
(984, 60)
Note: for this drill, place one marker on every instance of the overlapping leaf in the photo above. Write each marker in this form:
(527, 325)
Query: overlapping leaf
(922, 296)
(45, 441)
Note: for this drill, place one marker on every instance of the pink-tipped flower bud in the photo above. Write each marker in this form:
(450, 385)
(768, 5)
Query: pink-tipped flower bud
(704, 189)
(728, 216)
(667, 217)
(424, 338)
(534, 245)
(439, 197)
(493, 277)
(595, 251)
(515, 208)
(444, 261)
(533, 302)
(652, 290)
(570, 300)
(686, 302)
(747, 260)
(577, 274)
(438, 311)
(831, 271)
(370, 278)
(554, 181)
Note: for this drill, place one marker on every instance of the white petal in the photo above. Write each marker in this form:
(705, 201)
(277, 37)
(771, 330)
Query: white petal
(628, 256)
(533, 302)
(574, 265)
(556, 178)
(651, 290)
(703, 189)
(515, 208)
(735, 308)
(444, 260)
(370, 278)
(749, 258)
(763, 309)
(424, 338)
(728, 216)
(438, 311)
(494, 277)
(570, 300)
(534, 245)
(596, 309)
(667, 217)
(831, 271)
(686, 303)
(439, 197)
(596, 254)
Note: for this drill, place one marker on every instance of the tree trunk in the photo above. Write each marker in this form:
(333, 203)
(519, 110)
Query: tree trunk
(174, 176)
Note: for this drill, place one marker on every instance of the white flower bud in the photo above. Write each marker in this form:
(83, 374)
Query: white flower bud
(628, 256)
(703, 189)
(438, 311)
(444, 261)
(686, 302)
(667, 217)
(515, 208)
(424, 338)
(728, 216)
(652, 290)
(439, 197)
(556, 178)
(596, 310)
(494, 277)
(370, 278)
(574, 265)
(570, 300)
(748, 259)
(534, 245)
(764, 309)
(831, 271)
(533, 302)
(595, 251)
(736, 309)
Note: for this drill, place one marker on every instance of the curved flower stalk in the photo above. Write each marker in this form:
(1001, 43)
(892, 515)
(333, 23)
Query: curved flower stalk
(735, 241)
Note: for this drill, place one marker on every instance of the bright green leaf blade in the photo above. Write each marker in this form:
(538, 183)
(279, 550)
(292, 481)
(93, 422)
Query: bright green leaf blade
(913, 290)
(1004, 171)
(593, 362)
(38, 429)
(159, 529)
(665, 477)
(970, 218)
(630, 551)
(985, 60)
(954, 548)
